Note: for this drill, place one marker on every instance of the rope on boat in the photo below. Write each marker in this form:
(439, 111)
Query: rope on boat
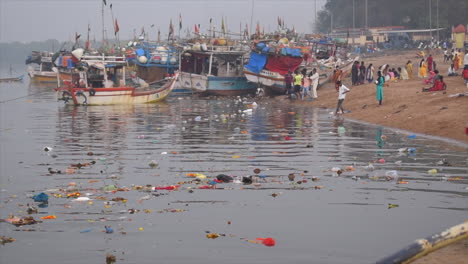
(17, 98)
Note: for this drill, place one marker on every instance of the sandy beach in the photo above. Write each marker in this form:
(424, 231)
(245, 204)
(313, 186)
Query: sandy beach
(404, 105)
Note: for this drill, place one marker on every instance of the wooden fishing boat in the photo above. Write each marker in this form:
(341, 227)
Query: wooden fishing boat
(41, 68)
(215, 71)
(102, 81)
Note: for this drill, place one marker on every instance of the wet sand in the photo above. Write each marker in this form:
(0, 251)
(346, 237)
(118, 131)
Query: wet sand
(404, 105)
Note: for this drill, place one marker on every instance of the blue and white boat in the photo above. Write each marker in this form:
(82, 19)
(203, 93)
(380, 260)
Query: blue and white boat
(215, 70)
(156, 62)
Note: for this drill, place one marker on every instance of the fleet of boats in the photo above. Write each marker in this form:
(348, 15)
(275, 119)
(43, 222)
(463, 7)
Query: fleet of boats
(146, 72)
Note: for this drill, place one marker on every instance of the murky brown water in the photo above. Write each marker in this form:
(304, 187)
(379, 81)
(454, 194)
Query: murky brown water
(337, 219)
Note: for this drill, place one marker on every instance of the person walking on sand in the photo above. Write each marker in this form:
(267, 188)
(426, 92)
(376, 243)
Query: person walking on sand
(409, 69)
(379, 87)
(342, 91)
(370, 73)
(362, 73)
(314, 79)
(422, 69)
(456, 62)
(297, 82)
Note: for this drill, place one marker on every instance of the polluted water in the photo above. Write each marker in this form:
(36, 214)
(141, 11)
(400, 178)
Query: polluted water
(215, 180)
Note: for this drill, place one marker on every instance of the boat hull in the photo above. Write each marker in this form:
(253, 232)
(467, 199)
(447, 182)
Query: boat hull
(214, 85)
(116, 95)
(43, 77)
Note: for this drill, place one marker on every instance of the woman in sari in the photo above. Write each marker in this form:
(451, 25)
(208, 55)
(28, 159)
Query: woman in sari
(423, 69)
(456, 62)
(409, 69)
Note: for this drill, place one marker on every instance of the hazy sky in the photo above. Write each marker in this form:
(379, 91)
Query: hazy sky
(29, 20)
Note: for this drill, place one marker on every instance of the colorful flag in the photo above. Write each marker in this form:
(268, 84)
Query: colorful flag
(223, 28)
(116, 27)
(196, 29)
(180, 21)
(171, 29)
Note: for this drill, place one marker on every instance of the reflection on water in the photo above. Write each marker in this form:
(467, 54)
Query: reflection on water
(337, 219)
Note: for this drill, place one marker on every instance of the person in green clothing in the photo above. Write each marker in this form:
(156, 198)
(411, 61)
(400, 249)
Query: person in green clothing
(380, 83)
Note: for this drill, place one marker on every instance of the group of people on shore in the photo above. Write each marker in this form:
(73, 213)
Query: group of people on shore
(359, 73)
(302, 83)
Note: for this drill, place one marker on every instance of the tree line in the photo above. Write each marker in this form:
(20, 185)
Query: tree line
(413, 14)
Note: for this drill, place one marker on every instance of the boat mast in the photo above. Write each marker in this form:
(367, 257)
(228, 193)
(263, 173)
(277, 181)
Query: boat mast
(102, 16)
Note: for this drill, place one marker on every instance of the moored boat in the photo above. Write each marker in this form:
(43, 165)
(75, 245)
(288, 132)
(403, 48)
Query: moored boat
(215, 71)
(12, 79)
(102, 81)
(41, 68)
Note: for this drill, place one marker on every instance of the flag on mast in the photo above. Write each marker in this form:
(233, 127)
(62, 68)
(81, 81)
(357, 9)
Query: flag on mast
(104, 2)
(116, 27)
(180, 21)
(171, 29)
(196, 29)
(77, 36)
(223, 27)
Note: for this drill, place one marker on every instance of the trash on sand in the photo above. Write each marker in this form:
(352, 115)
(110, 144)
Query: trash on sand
(432, 171)
(224, 178)
(110, 188)
(391, 173)
(4, 240)
(17, 221)
(41, 198)
(49, 217)
(276, 194)
(110, 259)
(392, 205)
(412, 136)
(47, 149)
(86, 230)
(257, 171)
(269, 242)
(443, 162)
(108, 230)
(198, 118)
(341, 130)
(153, 164)
(402, 182)
(381, 160)
(212, 235)
(291, 176)
(81, 199)
(247, 180)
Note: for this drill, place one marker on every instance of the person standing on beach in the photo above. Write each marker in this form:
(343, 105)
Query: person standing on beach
(314, 79)
(379, 87)
(370, 73)
(422, 69)
(456, 62)
(465, 59)
(362, 73)
(465, 75)
(354, 73)
(306, 84)
(430, 62)
(342, 91)
(409, 69)
(297, 81)
(288, 78)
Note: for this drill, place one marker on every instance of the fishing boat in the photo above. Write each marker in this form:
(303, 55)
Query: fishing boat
(268, 66)
(101, 80)
(215, 70)
(154, 62)
(41, 68)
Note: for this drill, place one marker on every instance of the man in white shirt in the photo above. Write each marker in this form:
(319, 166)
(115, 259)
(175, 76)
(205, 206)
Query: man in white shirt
(314, 80)
(342, 90)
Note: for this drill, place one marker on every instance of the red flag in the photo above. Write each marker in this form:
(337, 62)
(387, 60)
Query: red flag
(196, 29)
(116, 27)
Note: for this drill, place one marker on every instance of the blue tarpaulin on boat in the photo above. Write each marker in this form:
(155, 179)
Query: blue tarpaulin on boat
(256, 62)
(140, 52)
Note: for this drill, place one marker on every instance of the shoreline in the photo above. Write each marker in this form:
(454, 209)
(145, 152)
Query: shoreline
(405, 107)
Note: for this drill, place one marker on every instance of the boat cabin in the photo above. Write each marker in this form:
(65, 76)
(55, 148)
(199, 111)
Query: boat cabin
(220, 64)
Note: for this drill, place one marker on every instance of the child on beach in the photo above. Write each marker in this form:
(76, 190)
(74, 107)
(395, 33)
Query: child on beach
(342, 90)
(439, 85)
